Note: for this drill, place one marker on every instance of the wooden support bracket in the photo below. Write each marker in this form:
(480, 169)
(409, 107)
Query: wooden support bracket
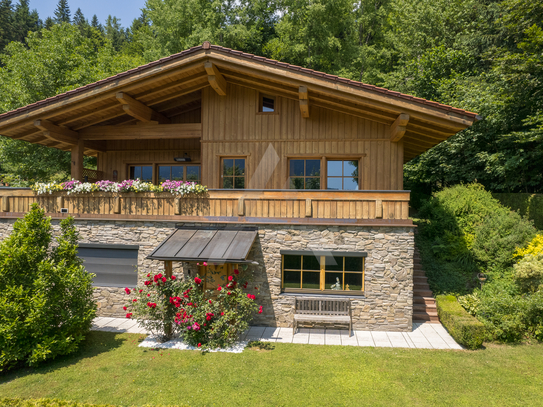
(241, 207)
(168, 268)
(215, 78)
(117, 204)
(56, 133)
(304, 101)
(399, 127)
(308, 208)
(140, 111)
(378, 209)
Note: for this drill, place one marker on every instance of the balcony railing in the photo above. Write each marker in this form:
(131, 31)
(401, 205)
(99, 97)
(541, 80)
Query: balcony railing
(308, 206)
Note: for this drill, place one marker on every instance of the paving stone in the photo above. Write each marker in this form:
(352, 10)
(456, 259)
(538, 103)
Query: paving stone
(381, 339)
(270, 334)
(364, 338)
(397, 340)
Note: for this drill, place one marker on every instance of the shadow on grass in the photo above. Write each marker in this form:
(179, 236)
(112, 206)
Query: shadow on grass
(94, 344)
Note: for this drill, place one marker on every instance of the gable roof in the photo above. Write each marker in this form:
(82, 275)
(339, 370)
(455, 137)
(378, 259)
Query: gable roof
(174, 83)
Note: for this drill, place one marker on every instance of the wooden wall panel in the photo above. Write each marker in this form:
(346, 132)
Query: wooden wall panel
(233, 127)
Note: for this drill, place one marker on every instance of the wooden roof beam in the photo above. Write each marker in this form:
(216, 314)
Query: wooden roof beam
(138, 110)
(304, 101)
(215, 78)
(149, 131)
(57, 133)
(399, 127)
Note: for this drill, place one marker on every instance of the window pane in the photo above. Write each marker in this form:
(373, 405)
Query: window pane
(333, 263)
(312, 168)
(353, 263)
(353, 281)
(350, 184)
(228, 166)
(311, 280)
(177, 173)
(228, 182)
(311, 263)
(268, 104)
(239, 182)
(292, 279)
(163, 173)
(132, 173)
(334, 183)
(350, 169)
(312, 183)
(333, 281)
(334, 168)
(193, 173)
(296, 168)
(292, 262)
(147, 173)
(296, 183)
(240, 166)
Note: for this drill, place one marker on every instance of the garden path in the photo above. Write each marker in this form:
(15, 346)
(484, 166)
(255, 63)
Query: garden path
(424, 335)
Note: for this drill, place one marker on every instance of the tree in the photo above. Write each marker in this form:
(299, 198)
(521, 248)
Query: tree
(62, 13)
(49, 22)
(24, 21)
(6, 22)
(46, 296)
(115, 34)
(96, 24)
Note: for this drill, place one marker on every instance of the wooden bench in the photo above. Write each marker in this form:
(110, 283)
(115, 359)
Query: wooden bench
(322, 310)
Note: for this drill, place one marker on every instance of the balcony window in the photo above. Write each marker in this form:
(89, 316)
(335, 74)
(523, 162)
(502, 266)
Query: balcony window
(189, 173)
(305, 174)
(233, 173)
(342, 175)
(141, 172)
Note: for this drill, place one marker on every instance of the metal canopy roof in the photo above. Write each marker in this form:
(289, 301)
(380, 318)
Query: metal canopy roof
(220, 245)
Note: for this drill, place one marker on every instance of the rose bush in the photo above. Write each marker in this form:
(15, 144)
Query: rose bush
(207, 319)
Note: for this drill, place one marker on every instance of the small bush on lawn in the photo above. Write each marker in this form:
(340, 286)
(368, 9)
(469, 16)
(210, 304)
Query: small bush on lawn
(528, 273)
(203, 318)
(46, 301)
(464, 328)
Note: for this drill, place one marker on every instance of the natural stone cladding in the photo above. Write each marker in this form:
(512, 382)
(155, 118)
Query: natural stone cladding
(387, 304)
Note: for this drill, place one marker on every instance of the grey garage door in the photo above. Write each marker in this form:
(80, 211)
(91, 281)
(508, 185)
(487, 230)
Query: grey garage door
(114, 265)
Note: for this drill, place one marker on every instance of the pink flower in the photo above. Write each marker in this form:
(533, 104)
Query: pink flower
(219, 288)
(127, 290)
(197, 280)
(230, 278)
(251, 296)
(205, 264)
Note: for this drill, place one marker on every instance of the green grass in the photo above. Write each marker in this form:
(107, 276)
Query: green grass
(110, 368)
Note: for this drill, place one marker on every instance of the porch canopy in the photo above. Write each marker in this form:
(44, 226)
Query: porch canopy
(228, 244)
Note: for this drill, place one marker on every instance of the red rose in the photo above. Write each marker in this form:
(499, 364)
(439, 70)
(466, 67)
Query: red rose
(155, 279)
(149, 275)
(230, 278)
(199, 344)
(127, 290)
(134, 300)
(260, 310)
(228, 293)
(173, 277)
(141, 291)
(222, 313)
(129, 315)
(148, 295)
(197, 280)
(147, 283)
(159, 275)
(164, 279)
(219, 288)
(210, 302)
(256, 288)
(236, 271)
(125, 308)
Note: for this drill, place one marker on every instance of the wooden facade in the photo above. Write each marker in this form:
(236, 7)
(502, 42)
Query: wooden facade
(208, 104)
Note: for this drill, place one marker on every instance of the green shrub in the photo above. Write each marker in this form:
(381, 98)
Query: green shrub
(535, 247)
(464, 328)
(46, 296)
(528, 205)
(498, 237)
(528, 273)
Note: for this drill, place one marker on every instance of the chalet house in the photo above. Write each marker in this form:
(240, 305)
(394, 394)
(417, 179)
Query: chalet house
(303, 170)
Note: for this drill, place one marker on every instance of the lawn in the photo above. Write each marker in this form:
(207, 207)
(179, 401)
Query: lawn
(110, 368)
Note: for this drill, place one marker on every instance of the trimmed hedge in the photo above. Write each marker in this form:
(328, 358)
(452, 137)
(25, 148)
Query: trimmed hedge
(529, 205)
(464, 328)
(18, 402)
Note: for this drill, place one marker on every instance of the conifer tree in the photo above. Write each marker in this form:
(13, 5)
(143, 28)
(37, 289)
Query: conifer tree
(96, 24)
(49, 22)
(62, 13)
(6, 23)
(24, 21)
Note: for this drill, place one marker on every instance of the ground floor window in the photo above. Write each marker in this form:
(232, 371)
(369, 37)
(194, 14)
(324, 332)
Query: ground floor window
(314, 271)
(114, 265)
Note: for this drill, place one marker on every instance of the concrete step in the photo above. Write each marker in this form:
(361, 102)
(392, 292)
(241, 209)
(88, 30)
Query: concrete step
(424, 300)
(425, 316)
(424, 307)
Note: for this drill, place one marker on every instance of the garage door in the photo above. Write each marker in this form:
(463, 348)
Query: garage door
(114, 265)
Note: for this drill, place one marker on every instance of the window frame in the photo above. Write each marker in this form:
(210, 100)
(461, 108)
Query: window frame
(221, 170)
(141, 165)
(305, 176)
(322, 263)
(342, 159)
(187, 164)
(260, 104)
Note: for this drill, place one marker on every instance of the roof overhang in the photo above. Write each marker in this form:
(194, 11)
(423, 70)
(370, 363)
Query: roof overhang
(155, 92)
(210, 244)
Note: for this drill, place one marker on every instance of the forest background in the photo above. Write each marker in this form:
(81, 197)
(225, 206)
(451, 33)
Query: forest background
(485, 56)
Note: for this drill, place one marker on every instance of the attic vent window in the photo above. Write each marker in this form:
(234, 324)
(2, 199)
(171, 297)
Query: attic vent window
(267, 104)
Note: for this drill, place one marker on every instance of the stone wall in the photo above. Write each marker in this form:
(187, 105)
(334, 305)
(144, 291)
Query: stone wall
(388, 297)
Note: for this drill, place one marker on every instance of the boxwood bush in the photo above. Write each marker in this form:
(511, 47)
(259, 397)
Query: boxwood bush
(464, 328)
(46, 296)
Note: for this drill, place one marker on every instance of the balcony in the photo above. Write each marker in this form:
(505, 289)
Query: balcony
(221, 205)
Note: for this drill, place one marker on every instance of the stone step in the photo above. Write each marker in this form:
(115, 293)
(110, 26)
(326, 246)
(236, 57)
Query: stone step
(426, 317)
(422, 293)
(423, 300)
(424, 307)
(420, 285)
(420, 279)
